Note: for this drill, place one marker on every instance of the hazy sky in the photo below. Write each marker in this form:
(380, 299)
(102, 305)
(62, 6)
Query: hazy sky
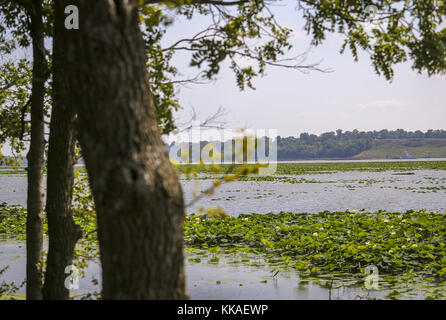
(351, 97)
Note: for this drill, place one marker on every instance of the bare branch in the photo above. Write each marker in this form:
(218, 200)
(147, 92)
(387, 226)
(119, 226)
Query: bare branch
(214, 121)
(211, 2)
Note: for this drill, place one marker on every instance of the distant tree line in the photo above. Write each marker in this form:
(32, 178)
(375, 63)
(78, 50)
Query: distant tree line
(341, 144)
(337, 144)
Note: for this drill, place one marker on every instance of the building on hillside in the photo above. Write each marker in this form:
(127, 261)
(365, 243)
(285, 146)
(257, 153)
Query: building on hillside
(406, 155)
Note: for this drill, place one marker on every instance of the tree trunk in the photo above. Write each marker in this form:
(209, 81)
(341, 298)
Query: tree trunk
(138, 198)
(34, 221)
(63, 232)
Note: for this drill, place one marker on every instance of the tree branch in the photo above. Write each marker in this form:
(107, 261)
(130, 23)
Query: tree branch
(211, 2)
(22, 118)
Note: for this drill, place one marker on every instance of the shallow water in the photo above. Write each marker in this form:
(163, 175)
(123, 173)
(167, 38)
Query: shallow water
(334, 192)
(209, 281)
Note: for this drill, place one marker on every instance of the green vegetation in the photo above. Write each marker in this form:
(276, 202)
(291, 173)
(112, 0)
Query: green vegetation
(408, 248)
(333, 242)
(8, 291)
(13, 171)
(363, 149)
(356, 144)
(325, 167)
(298, 168)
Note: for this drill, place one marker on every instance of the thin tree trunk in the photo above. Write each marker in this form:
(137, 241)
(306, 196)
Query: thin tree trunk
(34, 222)
(63, 232)
(138, 198)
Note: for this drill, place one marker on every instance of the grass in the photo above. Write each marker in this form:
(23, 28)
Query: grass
(393, 149)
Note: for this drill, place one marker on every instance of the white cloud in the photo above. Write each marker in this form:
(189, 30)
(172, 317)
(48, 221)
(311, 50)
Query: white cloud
(384, 104)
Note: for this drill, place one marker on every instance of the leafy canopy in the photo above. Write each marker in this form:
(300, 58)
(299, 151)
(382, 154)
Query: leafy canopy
(392, 31)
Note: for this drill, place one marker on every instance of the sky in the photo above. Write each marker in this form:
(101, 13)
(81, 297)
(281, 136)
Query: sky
(350, 97)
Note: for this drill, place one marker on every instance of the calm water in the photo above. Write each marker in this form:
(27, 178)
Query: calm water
(333, 192)
(207, 281)
(425, 189)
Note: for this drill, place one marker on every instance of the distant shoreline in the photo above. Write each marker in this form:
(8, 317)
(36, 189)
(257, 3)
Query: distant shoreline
(334, 160)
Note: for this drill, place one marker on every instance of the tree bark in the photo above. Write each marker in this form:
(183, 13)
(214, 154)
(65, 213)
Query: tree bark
(62, 230)
(34, 221)
(138, 197)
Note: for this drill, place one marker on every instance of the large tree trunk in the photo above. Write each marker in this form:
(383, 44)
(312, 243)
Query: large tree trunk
(34, 222)
(138, 198)
(63, 232)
